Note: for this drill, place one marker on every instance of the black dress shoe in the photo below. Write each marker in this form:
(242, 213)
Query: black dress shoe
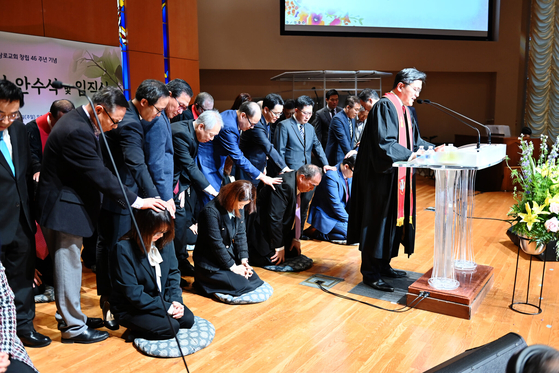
(394, 273)
(34, 339)
(380, 285)
(91, 322)
(89, 336)
(186, 268)
(108, 318)
(304, 237)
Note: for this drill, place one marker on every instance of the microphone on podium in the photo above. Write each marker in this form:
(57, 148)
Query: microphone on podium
(449, 112)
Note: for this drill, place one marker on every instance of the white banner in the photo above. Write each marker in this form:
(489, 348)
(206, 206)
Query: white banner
(34, 62)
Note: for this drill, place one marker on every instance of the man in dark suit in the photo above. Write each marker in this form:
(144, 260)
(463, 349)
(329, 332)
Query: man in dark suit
(329, 211)
(342, 131)
(17, 225)
(296, 140)
(323, 118)
(226, 144)
(38, 130)
(275, 233)
(73, 177)
(126, 143)
(203, 101)
(187, 135)
(256, 144)
(158, 144)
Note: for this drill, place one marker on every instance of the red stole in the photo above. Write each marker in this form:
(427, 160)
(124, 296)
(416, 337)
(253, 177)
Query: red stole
(402, 140)
(44, 129)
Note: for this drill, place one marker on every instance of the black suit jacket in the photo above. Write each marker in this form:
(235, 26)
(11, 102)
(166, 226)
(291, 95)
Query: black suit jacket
(185, 145)
(73, 177)
(276, 214)
(221, 240)
(134, 283)
(15, 190)
(321, 123)
(257, 147)
(127, 146)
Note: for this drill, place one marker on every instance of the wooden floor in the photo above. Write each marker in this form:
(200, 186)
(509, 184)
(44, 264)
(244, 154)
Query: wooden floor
(301, 329)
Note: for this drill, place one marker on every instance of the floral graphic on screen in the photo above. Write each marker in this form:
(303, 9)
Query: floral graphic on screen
(298, 13)
(107, 67)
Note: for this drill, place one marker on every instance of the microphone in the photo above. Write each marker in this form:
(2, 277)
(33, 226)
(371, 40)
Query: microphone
(316, 94)
(463, 116)
(428, 102)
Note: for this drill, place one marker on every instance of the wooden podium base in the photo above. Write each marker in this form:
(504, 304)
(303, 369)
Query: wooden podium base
(462, 302)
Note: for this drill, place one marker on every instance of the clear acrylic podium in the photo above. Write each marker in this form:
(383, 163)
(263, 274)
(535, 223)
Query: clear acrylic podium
(455, 173)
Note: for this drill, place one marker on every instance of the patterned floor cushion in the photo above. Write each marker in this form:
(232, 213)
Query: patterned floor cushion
(296, 264)
(46, 297)
(191, 340)
(260, 294)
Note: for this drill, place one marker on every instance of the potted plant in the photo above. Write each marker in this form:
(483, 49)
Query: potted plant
(535, 216)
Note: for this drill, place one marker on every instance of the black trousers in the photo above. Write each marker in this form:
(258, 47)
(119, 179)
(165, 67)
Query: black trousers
(17, 366)
(155, 327)
(184, 218)
(305, 202)
(372, 267)
(111, 227)
(18, 257)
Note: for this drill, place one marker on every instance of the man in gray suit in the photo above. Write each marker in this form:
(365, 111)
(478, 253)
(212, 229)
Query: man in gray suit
(295, 141)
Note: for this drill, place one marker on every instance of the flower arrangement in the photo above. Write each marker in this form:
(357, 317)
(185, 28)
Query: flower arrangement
(535, 214)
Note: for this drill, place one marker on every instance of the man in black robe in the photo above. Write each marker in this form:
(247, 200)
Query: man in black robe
(382, 207)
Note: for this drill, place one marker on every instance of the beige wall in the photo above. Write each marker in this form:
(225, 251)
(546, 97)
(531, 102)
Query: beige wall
(241, 49)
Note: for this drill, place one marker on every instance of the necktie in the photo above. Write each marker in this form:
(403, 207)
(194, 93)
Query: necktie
(350, 130)
(6, 152)
(301, 131)
(346, 191)
(332, 113)
(298, 217)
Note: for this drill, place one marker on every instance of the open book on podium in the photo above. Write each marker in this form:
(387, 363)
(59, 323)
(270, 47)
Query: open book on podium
(456, 284)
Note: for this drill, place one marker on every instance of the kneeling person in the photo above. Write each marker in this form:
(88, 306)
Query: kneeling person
(139, 276)
(328, 213)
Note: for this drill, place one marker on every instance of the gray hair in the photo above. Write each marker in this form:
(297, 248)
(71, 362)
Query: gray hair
(209, 118)
(309, 171)
(203, 98)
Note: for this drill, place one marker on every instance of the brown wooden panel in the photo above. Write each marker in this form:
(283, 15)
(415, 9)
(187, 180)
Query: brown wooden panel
(183, 29)
(89, 21)
(188, 70)
(144, 66)
(23, 17)
(144, 21)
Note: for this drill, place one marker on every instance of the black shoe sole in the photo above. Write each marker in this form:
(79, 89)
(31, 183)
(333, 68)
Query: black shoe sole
(70, 340)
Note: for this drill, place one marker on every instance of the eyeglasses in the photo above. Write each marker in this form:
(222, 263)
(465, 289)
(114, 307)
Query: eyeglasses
(181, 105)
(250, 123)
(11, 117)
(111, 118)
(159, 111)
(306, 113)
(277, 115)
(416, 89)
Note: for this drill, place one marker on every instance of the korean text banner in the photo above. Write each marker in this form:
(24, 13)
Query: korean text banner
(34, 62)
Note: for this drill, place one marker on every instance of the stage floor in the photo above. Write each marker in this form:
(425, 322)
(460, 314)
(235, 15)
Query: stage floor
(302, 329)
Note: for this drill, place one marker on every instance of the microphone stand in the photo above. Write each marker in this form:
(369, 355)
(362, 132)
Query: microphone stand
(465, 117)
(455, 117)
(61, 85)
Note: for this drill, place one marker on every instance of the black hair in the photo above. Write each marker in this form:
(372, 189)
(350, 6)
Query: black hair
(408, 76)
(10, 92)
(351, 101)
(271, 100)
(331, 92)
(309, 171)
(368, 93)
(249, 108)
(350, 161)
(178, 87)
(303, 101)
(152, 90)
(61, 106)
(289, 104)
(110, 97)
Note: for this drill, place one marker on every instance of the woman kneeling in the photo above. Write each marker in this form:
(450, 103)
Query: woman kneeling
(138, 277)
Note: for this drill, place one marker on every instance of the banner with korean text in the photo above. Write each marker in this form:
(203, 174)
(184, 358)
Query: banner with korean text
(34, 62)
